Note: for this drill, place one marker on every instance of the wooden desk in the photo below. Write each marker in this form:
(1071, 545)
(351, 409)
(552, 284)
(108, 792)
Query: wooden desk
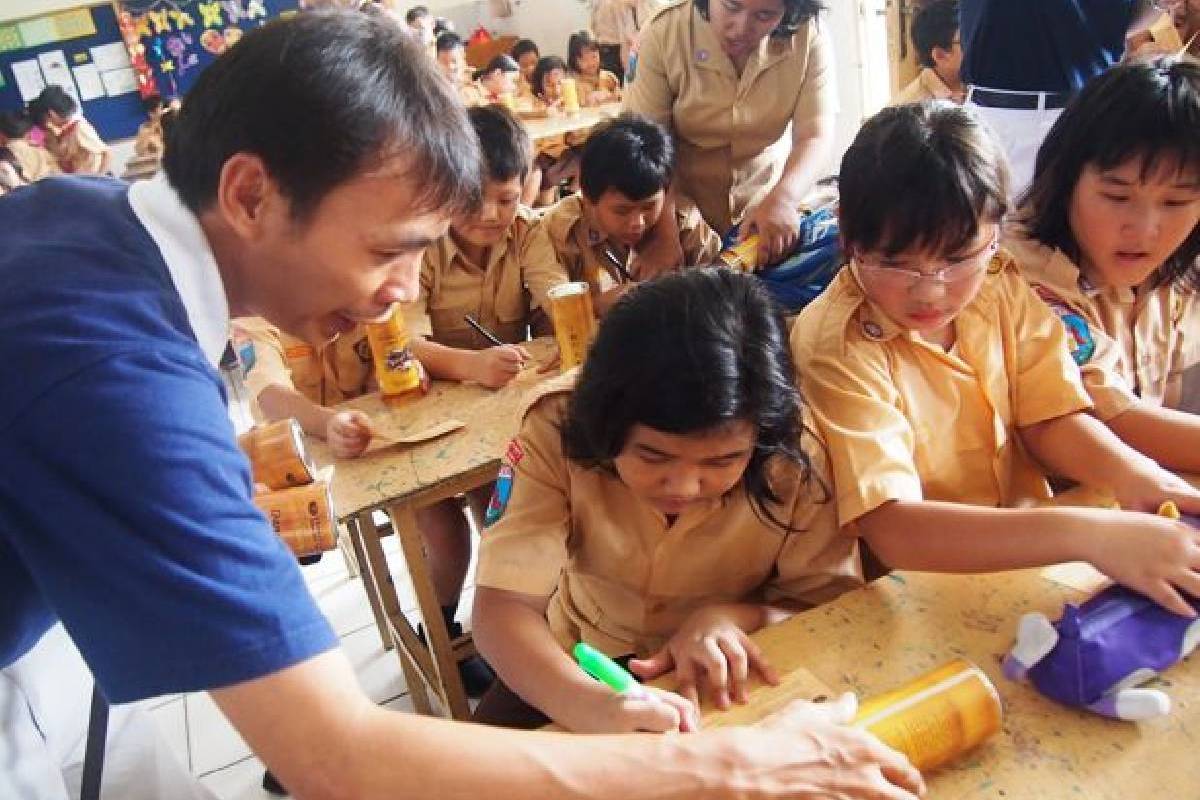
(878, 638)
(559, 125)
(402, 479)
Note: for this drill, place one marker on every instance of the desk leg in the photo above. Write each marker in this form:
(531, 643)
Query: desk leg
(450, 688)
(354, 527)
(348, 554)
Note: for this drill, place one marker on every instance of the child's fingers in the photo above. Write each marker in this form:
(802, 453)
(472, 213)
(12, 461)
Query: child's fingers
(716, 669)
(689, 717)
(361, 424)
(685, 677)
(739, 667)
(525, 356)
(1166, 596)
(649, 668)
(759, 662)
(653, 715)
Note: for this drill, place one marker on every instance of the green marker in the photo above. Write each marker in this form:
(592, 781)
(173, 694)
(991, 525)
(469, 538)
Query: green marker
(608, 672)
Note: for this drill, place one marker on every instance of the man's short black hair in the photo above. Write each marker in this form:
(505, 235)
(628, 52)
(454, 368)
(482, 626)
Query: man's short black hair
(448, 40)
(507, 150)
(631, 153)
(415, 13)
(935, 25)
(322, 97)
(524, 46)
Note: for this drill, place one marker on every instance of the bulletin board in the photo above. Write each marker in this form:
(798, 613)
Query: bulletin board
(80, 50)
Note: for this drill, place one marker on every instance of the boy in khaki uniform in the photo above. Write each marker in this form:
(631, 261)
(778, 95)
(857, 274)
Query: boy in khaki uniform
(70, 138)
(938, 48)
(625, 172)
(610, 530)
(941, 389)
(729, 106)
(292, 378)
(1109, 238)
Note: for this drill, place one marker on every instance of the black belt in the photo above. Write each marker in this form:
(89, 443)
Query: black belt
(1023, 100)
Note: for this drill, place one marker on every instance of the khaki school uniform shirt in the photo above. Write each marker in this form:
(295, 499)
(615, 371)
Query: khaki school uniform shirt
(906, 420)
(1128, 343)
(605, 81)
(500, 295)
(580, 245)
(618, 577)
(77, 147)
(927, 86)
(339, 371)
(731, 132)
(36, 162)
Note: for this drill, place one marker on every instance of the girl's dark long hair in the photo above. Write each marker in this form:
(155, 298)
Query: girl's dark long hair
(684, 354)
(1147, 110)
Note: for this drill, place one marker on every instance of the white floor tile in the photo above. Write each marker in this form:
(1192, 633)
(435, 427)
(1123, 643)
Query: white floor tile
(378, 671)
(344, 603)
(240, 781)
(171, 720)
(214, 742)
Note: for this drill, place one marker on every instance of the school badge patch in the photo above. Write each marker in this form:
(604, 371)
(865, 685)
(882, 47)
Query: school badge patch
(1079, 336)
(504, 483)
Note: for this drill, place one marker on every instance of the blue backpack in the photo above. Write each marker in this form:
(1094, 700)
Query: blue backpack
(797, 280)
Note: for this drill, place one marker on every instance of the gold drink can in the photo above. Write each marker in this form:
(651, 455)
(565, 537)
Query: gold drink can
(937, 717)
(395, 368)
(302, 516)
(570, 96)
(574, 321)
(741, 255)
(278, 457)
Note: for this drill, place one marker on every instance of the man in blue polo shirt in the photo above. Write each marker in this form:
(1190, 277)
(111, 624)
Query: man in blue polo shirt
(1025, 58)
(308, 170)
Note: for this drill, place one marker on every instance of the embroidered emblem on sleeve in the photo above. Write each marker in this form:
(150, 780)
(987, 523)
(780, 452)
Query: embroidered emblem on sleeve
(1079, 336)
(504, 483)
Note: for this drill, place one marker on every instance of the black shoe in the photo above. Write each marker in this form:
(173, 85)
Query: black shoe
(272, 785)
(477, 676)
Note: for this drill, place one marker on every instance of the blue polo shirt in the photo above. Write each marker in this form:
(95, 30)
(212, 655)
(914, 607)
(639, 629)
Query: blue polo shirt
(1041, 45)
(125, 503)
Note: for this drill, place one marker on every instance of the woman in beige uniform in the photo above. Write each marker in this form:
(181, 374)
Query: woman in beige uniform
(747, 88)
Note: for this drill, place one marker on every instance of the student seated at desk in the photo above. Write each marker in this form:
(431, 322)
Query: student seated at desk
(944, 388)
(936, 41)
(452, 61)
(595, 85)
(525, 53)
(557, 156)
(666, 505)
(1109, 237)
(69, 137)
(498, 80)
(35, 161)
(625, 173)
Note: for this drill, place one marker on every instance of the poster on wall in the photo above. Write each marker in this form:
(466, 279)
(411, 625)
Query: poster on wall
(56, 72)
(28, 77)
(179, 39)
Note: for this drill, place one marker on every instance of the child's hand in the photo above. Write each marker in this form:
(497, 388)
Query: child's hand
(552, 364)
(1148, 487)
(1150, 554)
(348, 433)
(496, 366)
(709, 649)
(655, 711)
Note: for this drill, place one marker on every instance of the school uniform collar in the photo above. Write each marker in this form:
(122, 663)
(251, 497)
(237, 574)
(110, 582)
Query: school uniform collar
(189, 259)
(495, 253)
(707, 53)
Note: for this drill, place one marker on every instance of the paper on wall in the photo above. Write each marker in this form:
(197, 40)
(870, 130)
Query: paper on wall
(56, 71)
(28, 76)
(110, 56)
(88, 79)
(119, 81)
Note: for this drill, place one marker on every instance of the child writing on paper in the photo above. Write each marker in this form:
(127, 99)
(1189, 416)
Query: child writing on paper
(624, 174)
(595, 85)
(664, 505)
(943, 386)
(71, 139)
(1109, 236)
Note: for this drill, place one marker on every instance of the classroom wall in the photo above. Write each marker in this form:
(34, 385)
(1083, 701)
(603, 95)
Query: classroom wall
(19, 9)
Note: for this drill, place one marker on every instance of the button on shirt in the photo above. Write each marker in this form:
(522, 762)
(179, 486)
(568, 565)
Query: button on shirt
(731, 132)
(905, 419)
(1041, 45)
(623, 580)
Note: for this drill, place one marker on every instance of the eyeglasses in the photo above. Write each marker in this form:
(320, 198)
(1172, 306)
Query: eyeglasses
(954, 272)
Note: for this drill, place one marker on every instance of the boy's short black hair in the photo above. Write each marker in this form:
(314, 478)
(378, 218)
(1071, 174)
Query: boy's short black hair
(15, 124)
(689, 353)
(795, 14)
(1147, 110)
(524, 46)
(415, 13)
(922, 177)
(442, 25)
(935, 25)
(579, 43)
(501, 63)
(369, 94)
(507, 150)
(448, 40)
(53, 98)
(631, 154)
(545, 65)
